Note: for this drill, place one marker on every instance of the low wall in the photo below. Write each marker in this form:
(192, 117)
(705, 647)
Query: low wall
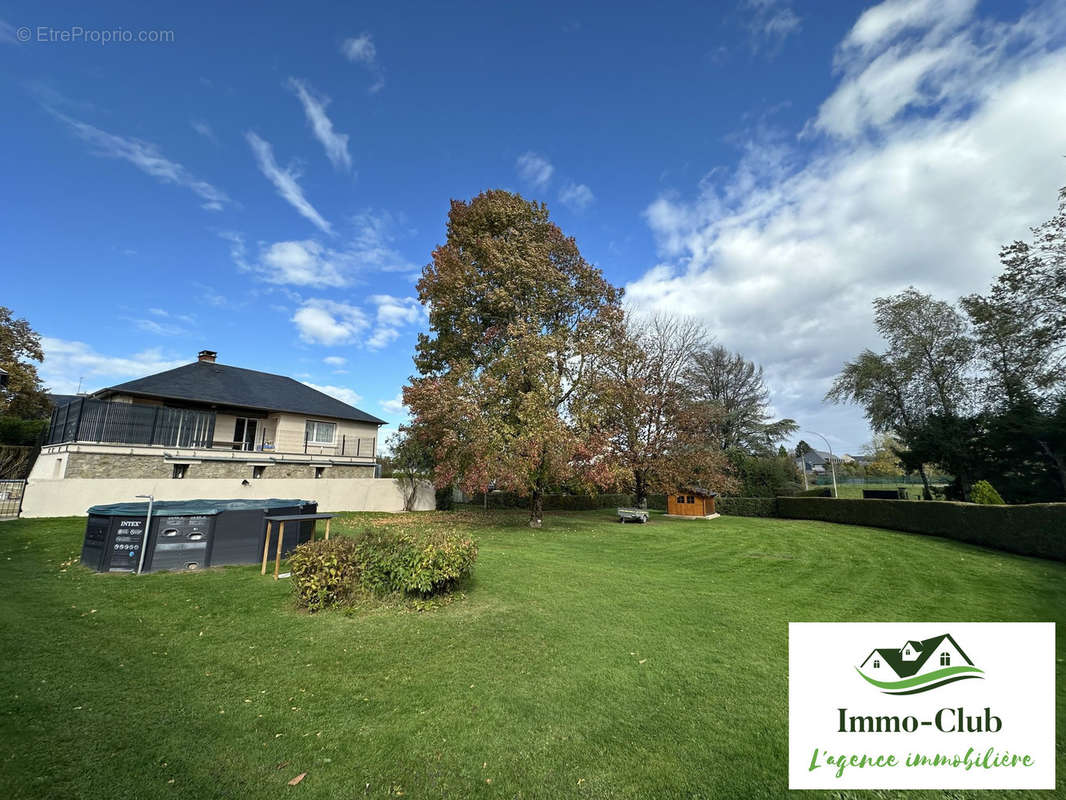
(71, 497)
(1038, 529)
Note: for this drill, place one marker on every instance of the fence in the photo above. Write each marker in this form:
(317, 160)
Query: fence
(11, 497)
(87, 420)
(879, 480)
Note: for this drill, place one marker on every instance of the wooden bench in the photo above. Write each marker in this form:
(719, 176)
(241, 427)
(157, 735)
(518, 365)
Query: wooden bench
(281, 535)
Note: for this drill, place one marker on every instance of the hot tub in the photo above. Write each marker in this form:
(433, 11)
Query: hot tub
(187, 534)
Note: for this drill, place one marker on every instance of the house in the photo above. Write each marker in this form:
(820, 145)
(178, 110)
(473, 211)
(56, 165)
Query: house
(811, 461)
(691, 501)
(914, 657)
(225, 431)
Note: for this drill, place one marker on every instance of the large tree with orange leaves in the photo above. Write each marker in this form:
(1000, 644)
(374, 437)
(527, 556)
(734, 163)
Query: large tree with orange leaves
(507, 388)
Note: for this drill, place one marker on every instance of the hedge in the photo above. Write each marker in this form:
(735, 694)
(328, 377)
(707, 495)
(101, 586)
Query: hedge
(557, 502)
(747, 506)
(1028, 530)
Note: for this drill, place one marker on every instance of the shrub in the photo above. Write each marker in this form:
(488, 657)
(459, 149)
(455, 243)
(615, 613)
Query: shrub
(983, 494)
(818, 491)
(747, 506)
(413, 563)
(1030, 530)
(382, 561)
(324, 573)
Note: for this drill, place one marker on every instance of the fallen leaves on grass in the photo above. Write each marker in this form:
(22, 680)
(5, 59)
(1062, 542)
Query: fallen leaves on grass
(297, 779)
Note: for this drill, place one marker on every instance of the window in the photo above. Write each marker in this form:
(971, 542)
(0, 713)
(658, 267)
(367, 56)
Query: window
(691, 499)
(945, 659)
(320, 472)
(258, 470)
(877, 664)
(320, 432)
(244, 434)
(179, 470)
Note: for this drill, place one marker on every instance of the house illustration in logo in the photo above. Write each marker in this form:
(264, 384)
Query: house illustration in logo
(918, 665)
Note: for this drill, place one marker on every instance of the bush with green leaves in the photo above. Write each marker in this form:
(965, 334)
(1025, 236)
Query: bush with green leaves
(380, 561)
(415, 563)
(983, 494)
(324, 573)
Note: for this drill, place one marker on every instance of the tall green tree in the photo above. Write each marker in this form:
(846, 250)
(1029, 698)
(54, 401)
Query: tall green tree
(507, 386)
(926, 373)
(23, 397)
(738, 402)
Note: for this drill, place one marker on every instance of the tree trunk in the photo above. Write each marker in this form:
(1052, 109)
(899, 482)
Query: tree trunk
(927, 494)
(1057, 460)
(536, 509)
(640, 486)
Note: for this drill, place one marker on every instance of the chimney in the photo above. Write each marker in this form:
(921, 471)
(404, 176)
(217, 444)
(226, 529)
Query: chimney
(207, 355)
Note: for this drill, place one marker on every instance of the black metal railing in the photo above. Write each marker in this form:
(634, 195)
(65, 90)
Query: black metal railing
(88, 420)
(355, 446)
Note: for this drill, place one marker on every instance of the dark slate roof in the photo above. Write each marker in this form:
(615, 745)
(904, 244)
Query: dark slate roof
(222, 385)
(926, 648)
(699, 491)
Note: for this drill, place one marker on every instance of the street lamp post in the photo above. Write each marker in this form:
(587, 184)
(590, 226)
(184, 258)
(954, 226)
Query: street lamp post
(832, 466)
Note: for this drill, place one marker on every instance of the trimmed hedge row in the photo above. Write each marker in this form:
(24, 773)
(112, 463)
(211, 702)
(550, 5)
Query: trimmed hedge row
(558, 502)
(1028, 530)
(747, 506)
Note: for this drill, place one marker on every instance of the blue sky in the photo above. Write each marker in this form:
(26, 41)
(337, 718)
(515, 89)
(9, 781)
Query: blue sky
(269, 184)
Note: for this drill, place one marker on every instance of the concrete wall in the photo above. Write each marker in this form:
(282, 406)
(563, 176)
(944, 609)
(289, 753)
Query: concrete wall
(71, 497)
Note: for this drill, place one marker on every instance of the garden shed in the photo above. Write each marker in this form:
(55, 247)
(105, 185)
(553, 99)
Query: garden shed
(691, 501)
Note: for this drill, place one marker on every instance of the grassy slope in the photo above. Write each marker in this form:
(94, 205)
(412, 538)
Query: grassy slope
(116, 685)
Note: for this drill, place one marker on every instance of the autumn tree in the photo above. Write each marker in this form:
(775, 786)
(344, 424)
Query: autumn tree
(659, 430)
(506, 391)
(737, 400)
(23, 397)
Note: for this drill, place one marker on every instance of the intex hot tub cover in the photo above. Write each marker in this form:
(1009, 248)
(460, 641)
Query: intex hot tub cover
(176, 508)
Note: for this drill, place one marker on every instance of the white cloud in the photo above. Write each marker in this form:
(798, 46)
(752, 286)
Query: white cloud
(535, 169)
(69, 363)
(312, 263)
(769, 22)
(7, 33)
(158, 328)
(361, 50)
(304, 263)
(783, 256)
(576, 197)
(285, 181)
(204, 129)
(328, 322)
(395, 405)
(342, 393)
(372, 248)
(335, 361)
(884, 21)
(928, 55)
(336, 144)
(393, 313)
(147, 158)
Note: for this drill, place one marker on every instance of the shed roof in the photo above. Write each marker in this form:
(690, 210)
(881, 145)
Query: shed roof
(699, 491)
(220, 384)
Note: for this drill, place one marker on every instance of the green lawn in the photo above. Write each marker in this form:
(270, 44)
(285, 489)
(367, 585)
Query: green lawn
(588, 659)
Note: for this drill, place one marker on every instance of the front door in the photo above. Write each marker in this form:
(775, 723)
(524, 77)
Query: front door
(244, 434)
